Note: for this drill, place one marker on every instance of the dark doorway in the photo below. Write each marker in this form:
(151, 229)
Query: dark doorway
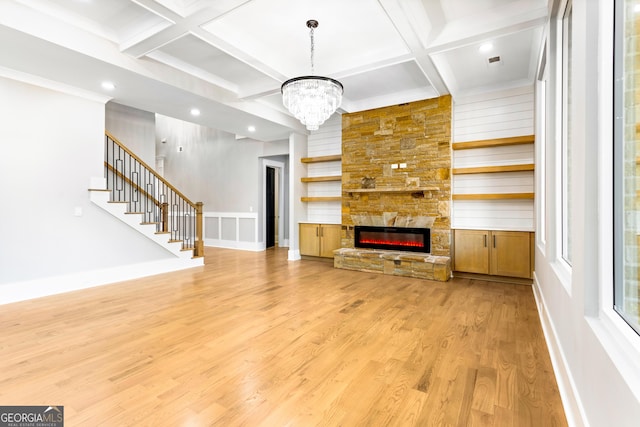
(271, 207)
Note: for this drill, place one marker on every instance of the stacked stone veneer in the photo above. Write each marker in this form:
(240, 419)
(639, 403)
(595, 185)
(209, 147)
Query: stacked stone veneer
(408, 264)
(417, 134)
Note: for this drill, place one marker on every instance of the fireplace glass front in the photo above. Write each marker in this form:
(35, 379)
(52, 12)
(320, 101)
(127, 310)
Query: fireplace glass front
(393, 238)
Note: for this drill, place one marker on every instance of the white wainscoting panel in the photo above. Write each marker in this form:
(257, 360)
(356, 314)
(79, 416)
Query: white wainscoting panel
(233, 230)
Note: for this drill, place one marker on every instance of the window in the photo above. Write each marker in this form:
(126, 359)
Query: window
(627, 162)
(567, 25)
(541, 157)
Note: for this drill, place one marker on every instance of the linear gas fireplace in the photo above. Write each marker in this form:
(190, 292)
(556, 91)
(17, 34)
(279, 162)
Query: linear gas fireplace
(393, 238)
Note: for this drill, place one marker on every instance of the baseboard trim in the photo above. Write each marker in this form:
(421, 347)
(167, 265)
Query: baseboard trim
(234, 244)
(294, 255)
(47, 286)
(568, 392)
(490, 278)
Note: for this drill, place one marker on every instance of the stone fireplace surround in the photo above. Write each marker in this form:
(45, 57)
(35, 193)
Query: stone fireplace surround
(398, 263)
(396, 172)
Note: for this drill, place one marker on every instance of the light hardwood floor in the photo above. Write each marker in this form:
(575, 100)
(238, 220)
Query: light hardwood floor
(251, 339)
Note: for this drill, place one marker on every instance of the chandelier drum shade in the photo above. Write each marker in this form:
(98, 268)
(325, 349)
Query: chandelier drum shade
(312, 99)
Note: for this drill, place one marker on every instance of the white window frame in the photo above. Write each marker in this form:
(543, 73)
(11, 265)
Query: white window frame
(618, 339)
(565, 163)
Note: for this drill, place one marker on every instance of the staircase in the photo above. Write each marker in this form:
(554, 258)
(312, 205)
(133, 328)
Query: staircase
(135, 194)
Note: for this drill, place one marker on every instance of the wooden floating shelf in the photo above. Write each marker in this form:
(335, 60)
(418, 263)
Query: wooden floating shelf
(493, 169)
(321, 178)
(319, 159)
(392, 190)
(499, 142)
(417, 192)
(321, 199)
(494, 196)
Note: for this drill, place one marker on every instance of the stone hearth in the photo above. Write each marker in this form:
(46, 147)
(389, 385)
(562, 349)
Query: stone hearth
(396, 263)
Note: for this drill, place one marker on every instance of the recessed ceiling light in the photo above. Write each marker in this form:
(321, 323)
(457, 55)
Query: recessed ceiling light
(195, 112)
(251, 128)
(486, 47)
(108, 86)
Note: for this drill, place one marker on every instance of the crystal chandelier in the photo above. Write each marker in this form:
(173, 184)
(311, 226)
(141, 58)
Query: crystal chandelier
(312, 99)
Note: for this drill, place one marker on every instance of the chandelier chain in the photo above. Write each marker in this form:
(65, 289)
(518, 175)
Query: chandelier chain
(312, 50)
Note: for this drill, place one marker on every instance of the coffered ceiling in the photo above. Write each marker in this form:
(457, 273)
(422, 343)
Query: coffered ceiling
(228, 58)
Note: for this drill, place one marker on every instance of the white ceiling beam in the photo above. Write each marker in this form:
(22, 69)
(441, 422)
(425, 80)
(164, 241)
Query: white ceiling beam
(418, 22)
(181, 26)
(468, 31)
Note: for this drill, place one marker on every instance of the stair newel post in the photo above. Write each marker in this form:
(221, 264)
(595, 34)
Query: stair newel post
(164, 215)
(199, 248)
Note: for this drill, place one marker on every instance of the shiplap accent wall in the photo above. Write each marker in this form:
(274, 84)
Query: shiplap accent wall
(494, 115)
(325, 141)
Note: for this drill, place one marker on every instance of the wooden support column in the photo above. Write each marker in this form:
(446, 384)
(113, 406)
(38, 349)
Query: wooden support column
(199, 250)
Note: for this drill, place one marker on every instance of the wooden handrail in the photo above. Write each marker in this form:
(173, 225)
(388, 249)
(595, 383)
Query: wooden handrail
(133, 184)
(198, 242)
(174, 189)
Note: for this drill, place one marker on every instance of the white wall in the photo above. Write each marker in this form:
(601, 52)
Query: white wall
(215, 168)
(297, 208)
(52, 145)
(499, 114)
(134, 128)
(325, 141)
(596, 356)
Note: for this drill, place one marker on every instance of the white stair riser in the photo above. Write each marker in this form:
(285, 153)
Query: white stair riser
(118, 210)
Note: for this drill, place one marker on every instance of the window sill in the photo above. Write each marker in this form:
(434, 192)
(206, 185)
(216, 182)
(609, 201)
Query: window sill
(562, 271)
(622, 345)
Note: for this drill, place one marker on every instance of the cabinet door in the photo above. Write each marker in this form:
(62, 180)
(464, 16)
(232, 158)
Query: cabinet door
(309, 239)
(330, 239)
(511, 254)
(471, 251)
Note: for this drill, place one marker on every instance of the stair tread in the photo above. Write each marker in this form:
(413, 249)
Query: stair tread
(189, 248)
